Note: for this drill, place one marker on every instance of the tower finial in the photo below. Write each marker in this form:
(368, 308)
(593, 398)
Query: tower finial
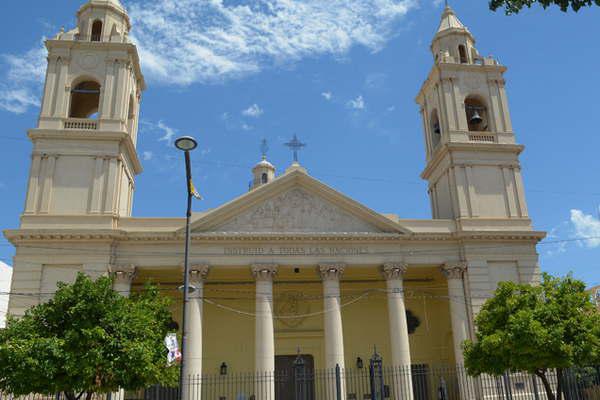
(264, 148)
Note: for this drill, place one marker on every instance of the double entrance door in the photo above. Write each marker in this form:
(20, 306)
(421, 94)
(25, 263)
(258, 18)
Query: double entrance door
(291, 381)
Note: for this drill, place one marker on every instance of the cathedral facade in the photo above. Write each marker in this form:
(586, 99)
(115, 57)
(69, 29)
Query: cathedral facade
(291, 265)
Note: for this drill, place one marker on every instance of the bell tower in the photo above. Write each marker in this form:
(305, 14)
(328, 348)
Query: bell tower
(84, 156)
(473, 165)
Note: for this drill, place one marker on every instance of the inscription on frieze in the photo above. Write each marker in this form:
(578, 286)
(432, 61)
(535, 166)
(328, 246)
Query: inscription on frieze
(295, 251)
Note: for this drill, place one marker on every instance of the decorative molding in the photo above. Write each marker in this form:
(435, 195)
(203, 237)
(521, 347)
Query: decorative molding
(264, 272)
(454, 270)
(394, 270)
(331, 271)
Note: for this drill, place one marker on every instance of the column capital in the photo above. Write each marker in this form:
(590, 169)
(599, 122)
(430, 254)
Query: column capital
(394, 270)
(454, 270)
(264, 272)
(122, 273)
(199, 272)
(333, 271)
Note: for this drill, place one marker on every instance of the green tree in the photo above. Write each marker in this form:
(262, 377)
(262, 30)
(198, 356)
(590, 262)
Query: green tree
(514, 6)
(88, 339)
(553, 325)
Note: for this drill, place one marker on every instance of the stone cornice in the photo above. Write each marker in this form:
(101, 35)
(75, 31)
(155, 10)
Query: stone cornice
(24, 235)
(446, 148)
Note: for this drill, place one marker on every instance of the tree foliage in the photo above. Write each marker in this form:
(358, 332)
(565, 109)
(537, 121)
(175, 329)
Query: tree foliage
(536, 328)
(87, 339)
(514, 6)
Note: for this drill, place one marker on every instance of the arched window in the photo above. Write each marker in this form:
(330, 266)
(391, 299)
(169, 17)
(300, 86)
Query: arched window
(462, 53)
(264, 178)
(477, 116)
(435, 128)
(85, 100)
(96, 31)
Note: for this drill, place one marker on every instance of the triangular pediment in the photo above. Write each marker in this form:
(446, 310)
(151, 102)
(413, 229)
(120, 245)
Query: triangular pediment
(295, 203)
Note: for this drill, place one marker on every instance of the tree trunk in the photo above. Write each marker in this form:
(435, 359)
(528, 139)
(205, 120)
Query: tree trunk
(89, 395)
(542, 375)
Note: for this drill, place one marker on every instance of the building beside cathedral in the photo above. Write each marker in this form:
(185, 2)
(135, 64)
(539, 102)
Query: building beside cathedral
(291, 264)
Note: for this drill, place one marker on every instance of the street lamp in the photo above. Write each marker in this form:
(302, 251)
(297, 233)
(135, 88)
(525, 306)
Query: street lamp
(186, 144)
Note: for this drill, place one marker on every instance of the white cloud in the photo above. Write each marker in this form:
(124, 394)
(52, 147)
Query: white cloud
(253, 111)
(168, 132)
(186, 41)
(22, 79)
(147, 155)
(5, 277)
(357, 104)
(586, 226)
(327, 95)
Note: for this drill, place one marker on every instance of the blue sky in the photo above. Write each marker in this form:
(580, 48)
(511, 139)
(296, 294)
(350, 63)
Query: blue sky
(343, 75)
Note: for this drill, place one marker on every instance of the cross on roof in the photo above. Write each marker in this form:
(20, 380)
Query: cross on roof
(295, 145)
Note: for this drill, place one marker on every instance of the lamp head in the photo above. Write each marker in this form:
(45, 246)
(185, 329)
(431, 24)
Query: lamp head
(186, 143)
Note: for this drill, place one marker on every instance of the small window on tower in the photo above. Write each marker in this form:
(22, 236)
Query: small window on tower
(477, 118)
(462, 52)
(436, 131)
(264, 178)
(85, 100)
(96, 31)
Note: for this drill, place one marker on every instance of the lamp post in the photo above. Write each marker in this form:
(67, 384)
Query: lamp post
(186, 144)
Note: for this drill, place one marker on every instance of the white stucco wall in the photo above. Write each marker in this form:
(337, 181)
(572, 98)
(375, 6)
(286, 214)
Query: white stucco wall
(5, 276)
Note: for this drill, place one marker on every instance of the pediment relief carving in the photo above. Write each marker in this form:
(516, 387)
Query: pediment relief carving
(296, 210)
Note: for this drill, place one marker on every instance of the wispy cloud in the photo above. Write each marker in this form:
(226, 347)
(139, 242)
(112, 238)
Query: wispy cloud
(327, 95)
(165, 132)
(254, 111)
(22, 78)
(586, 226)
(357, 103)
(187, 41)
(147, 155)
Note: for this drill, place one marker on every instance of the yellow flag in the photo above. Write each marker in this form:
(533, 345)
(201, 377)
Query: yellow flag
(194, 192)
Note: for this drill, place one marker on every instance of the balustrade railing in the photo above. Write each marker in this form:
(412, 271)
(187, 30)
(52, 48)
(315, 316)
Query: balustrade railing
(482, 137)
(81, 124)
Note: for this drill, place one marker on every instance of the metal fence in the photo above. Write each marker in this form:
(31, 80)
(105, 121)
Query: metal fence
(373, 382)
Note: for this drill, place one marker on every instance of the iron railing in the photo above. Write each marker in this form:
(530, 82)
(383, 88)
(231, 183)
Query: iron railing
(373, 382)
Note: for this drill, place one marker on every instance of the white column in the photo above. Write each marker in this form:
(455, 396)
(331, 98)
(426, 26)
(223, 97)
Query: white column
(332, 320)
(122, 277)
(393, 273)
(458, 307)
(264, 334)
(454, 273)
(193, 346)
